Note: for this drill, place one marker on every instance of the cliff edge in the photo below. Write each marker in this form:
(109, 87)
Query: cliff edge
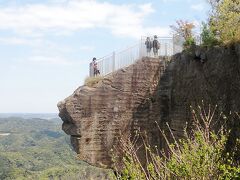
(121, 103)
(143, 94)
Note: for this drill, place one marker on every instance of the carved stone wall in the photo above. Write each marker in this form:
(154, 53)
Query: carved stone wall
(122, 102)
(138, 97)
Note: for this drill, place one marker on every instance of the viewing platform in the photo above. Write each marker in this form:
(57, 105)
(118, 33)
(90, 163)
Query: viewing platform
(123, 58)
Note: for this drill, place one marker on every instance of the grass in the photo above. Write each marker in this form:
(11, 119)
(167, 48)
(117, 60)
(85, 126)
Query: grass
(92, 81)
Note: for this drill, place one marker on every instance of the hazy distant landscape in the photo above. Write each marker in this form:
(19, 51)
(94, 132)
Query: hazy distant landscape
(34, 147)
(45, 116)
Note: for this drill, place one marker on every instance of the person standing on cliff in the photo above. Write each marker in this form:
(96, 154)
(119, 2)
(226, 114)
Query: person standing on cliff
(148, 44)
(95, 69)
(156, 46)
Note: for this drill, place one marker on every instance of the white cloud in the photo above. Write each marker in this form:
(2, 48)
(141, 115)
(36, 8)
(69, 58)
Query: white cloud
(197, 28)
(161, 32)
(146, 8)
(14, 41)
(69, 16)
(170, 1)
(55, 60)
(197, 7)
(41, 46)
(87, 48)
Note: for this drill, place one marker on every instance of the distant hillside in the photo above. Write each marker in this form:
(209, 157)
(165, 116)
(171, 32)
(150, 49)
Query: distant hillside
(30, 115)
(37, 148)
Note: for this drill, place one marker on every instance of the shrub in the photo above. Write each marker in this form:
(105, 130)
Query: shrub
(200, 155)
(224, 20)
(92, 81)
(184, 29)
(208, 37)
(189, 42)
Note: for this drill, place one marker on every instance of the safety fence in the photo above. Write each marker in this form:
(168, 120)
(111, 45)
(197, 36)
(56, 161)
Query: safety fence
(120, 59)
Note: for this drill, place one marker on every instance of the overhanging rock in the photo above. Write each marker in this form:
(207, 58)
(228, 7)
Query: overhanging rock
(121, 103)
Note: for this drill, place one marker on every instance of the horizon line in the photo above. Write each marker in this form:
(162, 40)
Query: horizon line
(29, 112)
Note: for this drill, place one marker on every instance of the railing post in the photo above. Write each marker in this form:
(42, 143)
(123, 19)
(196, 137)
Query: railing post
(113, 60)
(173, 41)
(140, 49)
(165, 44)
(90, 70)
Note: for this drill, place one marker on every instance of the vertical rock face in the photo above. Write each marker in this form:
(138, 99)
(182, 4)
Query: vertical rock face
(121, 103)
(214, 82)
(137, 97)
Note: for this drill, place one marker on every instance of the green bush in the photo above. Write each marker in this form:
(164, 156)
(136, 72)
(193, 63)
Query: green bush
(189, 42)
(200, 155)
(224, 20)
(208, 37)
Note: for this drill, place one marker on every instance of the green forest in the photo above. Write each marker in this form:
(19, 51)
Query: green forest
(39, 149)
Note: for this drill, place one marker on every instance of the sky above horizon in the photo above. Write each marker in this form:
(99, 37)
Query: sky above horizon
(46, 45)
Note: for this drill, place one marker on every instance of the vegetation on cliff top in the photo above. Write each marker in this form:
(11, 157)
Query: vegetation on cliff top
(222, 28)
(92, 81)
(224, 20)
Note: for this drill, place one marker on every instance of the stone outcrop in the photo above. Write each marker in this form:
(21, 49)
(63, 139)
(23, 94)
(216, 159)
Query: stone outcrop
(216, 81)
(121, 103)
(141, 95)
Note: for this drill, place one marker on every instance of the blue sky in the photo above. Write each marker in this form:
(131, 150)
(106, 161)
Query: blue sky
(46, 45)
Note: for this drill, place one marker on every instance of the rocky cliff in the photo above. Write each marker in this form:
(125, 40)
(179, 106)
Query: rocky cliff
(121, 103)
(141, 95)
(214, 80)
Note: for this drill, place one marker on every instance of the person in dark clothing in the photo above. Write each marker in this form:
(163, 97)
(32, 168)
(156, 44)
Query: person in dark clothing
(148, 44)
(156, 46)
(95, 69)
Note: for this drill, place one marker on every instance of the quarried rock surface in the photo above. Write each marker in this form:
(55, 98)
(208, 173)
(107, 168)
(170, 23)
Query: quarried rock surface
(121, 103)
(214, 81)
(141, 95)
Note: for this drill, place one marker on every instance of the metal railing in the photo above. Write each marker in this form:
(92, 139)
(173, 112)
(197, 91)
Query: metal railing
(117, 60)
